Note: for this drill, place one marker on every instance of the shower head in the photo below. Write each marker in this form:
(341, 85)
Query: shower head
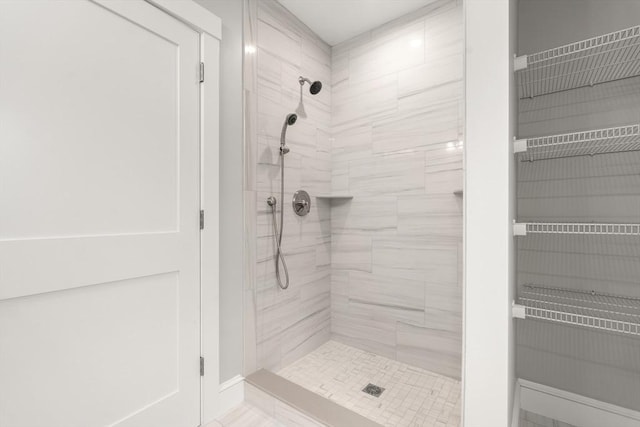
(315, 86)
(291, 119)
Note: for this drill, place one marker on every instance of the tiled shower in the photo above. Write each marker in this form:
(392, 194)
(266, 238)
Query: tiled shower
(377, 263)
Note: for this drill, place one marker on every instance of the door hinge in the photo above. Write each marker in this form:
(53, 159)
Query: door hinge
(201, 72)
(201, 220)
(201, 366)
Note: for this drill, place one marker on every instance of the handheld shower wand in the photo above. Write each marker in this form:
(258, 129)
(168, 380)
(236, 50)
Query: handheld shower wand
(290, 120)
(272, 201)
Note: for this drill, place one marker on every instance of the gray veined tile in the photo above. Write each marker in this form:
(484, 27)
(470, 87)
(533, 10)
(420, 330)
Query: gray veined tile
(364, 99)
(339, 282)
(416, 259)
(416, 130)
(340, 177)
(250, 239)
(431, 349)
(430, 215)
(324, 143)
(269, 69)
(339, 68)
(323, 252)
(350, 252)
(398, 174)
(308, 334)
(430, 98)
(386, 55)
(260, 399)
(365, 215)
(386, 298)
(435, 72)
(250, 140)
(286, 46)
(365, 333)
(353, 143)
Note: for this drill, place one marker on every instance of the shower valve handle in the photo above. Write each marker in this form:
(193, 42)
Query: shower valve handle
(301, 205)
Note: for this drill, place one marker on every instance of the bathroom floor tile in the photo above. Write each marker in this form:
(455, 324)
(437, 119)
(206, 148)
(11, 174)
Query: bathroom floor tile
(411, 396)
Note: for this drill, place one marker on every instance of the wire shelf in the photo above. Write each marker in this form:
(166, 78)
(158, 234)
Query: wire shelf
(522, 229)
(588, 309)
(599, 141)
(605, 58)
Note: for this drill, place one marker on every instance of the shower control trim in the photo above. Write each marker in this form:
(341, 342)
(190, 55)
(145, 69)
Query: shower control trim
(301, 203)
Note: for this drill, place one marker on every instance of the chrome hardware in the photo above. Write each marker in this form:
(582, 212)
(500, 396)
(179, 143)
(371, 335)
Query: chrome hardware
(301, 203)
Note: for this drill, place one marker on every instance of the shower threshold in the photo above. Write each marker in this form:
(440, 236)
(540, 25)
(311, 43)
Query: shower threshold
(314, 410)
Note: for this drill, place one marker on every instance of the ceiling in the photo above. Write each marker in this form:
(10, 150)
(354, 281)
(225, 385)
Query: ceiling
(335, 21)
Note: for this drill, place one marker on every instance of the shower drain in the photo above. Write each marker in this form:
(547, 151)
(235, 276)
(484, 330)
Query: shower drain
(373, 390)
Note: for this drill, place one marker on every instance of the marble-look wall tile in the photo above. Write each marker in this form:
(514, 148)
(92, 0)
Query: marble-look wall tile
(431, 349)
(430, 215)
(350, 252)
(366, 215)
(416, 259)
(401, 49)
(394, 174)
(411, 131)
(360, 331)
(432, 74)
(386, 298)
(289, 322)
(397, 126)
(278, 41)
(363, 100)
(382, 271)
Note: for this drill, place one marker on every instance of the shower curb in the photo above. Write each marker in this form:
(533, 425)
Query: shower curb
(321, 410)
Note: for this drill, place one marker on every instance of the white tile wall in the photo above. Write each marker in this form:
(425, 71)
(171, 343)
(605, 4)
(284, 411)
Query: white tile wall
(287, 324)
(397, 135)
(379, 272)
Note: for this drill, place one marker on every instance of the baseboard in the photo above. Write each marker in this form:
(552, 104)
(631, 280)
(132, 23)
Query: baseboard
(231, 394)
(573, 408)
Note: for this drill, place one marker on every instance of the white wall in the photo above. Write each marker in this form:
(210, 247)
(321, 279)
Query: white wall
(490, 113)
(231, 185)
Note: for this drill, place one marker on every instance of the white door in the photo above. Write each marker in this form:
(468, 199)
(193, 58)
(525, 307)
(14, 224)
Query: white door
(99, 215)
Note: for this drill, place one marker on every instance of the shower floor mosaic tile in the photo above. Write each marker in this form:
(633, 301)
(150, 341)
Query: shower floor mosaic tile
(411, 397)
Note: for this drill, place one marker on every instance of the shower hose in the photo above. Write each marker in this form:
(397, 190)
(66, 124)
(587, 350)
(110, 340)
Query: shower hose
(278, 232)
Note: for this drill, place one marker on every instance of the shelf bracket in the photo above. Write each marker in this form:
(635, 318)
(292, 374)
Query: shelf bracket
(519, 145)
(519, 228)
(518, 311)
(520, 63)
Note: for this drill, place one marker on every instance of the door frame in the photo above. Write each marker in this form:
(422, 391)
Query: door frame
(209, 26)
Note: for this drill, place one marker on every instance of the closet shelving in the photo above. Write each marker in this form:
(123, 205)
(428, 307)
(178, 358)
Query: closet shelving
(601, 59)
(581, 308)
(598, 141)
(525, 228)
(605, 58)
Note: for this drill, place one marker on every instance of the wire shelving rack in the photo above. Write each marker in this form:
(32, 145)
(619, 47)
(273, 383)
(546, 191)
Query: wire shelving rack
(598, 141)
(605, 58)
(601, 311)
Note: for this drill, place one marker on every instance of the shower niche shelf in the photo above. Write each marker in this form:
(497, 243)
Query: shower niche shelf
(334, 196)
(605, 312)
(601, 59)
(526, 228)
(598, 141)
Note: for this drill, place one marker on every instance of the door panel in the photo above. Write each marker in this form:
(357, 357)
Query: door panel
(99, 223)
